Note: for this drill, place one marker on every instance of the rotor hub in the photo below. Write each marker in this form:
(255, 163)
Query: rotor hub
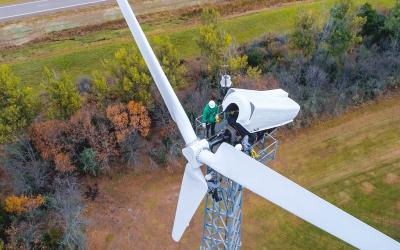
(193, 150)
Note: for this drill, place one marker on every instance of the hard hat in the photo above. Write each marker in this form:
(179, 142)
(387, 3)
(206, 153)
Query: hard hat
(239, 147)
(211, 104)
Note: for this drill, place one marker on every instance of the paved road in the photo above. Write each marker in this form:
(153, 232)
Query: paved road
(41, 6)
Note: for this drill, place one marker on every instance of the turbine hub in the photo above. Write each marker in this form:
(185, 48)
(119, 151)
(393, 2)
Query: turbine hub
(193, 150)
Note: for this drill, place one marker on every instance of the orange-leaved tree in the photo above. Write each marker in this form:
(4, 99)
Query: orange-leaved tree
(89, 129)
(139, 118)
(22, 204)
(51, 140)
(129, 118)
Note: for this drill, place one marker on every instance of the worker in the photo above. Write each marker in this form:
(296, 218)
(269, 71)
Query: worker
(210, 116)
(246, 145)
(213, 184)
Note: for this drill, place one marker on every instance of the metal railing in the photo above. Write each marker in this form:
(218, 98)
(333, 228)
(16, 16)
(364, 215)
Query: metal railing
(266, 148)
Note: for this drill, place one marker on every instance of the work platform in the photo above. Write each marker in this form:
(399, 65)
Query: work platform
(265, 148)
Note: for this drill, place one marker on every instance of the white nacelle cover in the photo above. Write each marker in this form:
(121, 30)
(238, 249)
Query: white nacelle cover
(261, 110)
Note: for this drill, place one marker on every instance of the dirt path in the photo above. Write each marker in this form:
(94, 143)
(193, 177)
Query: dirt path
(136, 211)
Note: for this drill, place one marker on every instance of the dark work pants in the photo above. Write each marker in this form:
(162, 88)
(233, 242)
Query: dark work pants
(209, 127)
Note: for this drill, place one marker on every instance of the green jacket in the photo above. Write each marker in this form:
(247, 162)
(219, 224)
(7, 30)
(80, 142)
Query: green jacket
(209, 114)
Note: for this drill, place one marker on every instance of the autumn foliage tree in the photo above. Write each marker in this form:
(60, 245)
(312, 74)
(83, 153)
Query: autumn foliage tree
(22, 204)
(90, 130)
(51, 141)
(129, 118)
(62, 142)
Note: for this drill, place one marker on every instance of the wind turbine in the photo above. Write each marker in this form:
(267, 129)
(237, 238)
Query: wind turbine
(245, 170)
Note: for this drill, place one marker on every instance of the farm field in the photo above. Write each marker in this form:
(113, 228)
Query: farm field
(80, 55)
(352, 161)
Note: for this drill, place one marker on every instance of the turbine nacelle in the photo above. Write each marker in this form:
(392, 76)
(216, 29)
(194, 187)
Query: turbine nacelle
(260, 110)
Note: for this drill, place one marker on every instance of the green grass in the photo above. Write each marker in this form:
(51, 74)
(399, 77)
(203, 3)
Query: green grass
(82, 55)
(6, 2)
(353, 162)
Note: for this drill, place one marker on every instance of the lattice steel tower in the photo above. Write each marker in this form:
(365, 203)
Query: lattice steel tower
(223, 216)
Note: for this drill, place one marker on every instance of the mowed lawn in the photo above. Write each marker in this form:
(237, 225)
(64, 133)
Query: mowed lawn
(352, 161)
(82, 54)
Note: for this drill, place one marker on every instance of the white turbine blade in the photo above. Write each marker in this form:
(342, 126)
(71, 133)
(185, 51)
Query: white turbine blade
(171, 100)
(193, 190)
(290, 196)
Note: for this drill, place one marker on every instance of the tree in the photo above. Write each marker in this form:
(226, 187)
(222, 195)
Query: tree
(392, 24)
(238, 65)
(127, 119)
(253, 73)
(374, 23)
(52, 141)
(170, 61)
(345, 28)
(22, 204)
(88, 161)
(88, 128)
(139, 118)
(213, 41)
(5, 221)
(100, 89)
(62, 95)
(63, 162)
(16, 105)
(304, 35)
(130, 75)
(28, 173)
(66, 201)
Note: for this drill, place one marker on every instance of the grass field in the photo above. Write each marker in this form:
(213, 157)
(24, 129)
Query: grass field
(352, 161)
(6, 2)
(81, 55)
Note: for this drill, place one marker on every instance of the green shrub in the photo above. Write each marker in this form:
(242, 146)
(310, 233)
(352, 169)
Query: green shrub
(51, 239)
(159, 155)
(4, 223)
(255, 56)
(88, 162)
(374, 24)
